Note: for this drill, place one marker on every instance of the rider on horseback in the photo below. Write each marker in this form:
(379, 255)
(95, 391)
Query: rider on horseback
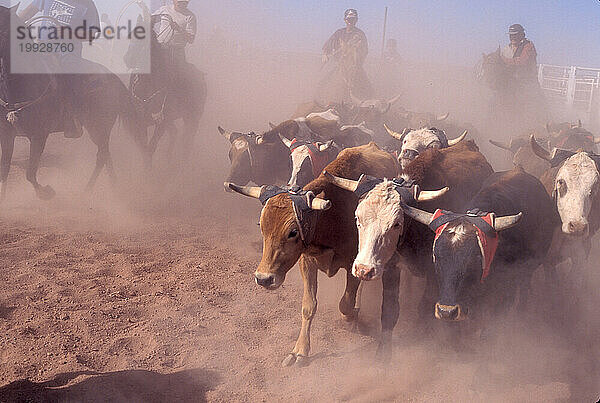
(520, 54)
(520, 57)
(74, 14)
(349, 48)
(175, 29)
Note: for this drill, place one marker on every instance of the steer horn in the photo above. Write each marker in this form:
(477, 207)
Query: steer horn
(395, 99)
(538, 149)
(506, 222)
(285, 140)
(596, 140)
(316, 203)
(503, 146)
(555, 158)
(225, 133)
(442, 117)
(428, 195)
(250, 191)
(355, 100)
(458, 139)
(396, 135)
(417, 214)
(346, 184)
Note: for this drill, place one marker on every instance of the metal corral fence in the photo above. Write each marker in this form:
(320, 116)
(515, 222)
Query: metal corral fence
(572, 90)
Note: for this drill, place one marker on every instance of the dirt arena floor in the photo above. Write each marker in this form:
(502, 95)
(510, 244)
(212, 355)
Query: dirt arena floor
(143, 292)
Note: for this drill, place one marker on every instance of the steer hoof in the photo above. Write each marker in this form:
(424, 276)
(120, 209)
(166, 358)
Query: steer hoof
(384, 353)
(46, 192)
(352, 316)
(293, 359)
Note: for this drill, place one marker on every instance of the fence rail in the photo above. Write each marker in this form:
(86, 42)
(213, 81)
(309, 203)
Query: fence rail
(573, 89)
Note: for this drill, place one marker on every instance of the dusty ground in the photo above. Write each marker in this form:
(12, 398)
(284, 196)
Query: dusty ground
(130, 294)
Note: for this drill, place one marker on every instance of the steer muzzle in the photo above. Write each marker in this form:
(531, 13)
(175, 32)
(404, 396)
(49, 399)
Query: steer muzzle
(409, 154)
(268, 281)
(576, 228)
(364, 272)
(449, 312)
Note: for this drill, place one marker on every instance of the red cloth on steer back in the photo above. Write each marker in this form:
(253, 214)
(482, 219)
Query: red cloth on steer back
(488, 240)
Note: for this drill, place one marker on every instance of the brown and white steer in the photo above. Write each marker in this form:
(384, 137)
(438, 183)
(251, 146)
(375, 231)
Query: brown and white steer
(255, 161)
(574, 182)
(566, 136)
(309, 159)
(414, 142)
(330, 238)
(387, 235)
(321, 127)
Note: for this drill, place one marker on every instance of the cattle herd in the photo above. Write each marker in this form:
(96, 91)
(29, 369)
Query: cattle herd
(373, 188)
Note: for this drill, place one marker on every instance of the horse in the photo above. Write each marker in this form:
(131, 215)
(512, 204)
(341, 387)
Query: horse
(33, 105)
(159, 99)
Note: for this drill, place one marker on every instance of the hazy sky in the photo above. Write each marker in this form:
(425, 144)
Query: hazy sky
(457, 31)
(564, 32)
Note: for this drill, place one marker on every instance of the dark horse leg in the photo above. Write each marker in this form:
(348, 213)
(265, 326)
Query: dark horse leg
(100, 137)
(7, 141)
(159, 131)
(37, 143)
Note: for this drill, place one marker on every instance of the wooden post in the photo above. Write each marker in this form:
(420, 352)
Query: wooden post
(384, 29)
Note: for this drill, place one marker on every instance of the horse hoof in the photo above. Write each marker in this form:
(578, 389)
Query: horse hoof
(46, 192)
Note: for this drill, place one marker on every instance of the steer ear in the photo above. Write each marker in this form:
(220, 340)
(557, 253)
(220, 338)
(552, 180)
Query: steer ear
(250, 191)
(316, 203)
(271, 125)
(506, 222)
(458, 139)
(419, 215)
(324, 146)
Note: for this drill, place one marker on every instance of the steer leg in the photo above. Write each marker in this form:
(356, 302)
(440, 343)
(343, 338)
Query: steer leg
(427, 303)
(348, 302)
(308, 269)
(390, 310)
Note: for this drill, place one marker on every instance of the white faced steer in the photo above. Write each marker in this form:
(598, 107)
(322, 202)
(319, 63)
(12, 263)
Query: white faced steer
(380, 219)
(308, 159)
(575, 189)
(414, 142)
